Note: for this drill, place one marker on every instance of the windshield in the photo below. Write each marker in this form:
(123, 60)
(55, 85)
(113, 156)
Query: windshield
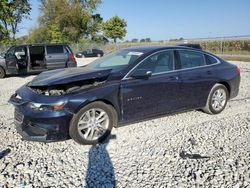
(116, 61)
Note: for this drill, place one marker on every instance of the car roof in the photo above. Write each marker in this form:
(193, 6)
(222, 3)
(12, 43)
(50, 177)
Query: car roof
(146, 49)
(39, 44)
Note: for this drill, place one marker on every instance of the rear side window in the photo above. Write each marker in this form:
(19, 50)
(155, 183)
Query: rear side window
(54, 49)
(210, 60)
(190, 59)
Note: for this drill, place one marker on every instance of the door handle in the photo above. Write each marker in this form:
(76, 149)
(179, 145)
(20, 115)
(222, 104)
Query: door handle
(172, 78)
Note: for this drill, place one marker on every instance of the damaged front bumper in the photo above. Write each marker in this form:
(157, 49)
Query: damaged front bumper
(41, 129)
(44, 126)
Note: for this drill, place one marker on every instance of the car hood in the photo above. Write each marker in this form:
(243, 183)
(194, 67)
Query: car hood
(68, 75)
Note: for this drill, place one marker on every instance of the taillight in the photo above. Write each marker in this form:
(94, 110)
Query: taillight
(72, 57)
(238, 70)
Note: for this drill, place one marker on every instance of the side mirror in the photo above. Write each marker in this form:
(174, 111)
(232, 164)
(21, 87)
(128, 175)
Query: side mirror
(141, 74)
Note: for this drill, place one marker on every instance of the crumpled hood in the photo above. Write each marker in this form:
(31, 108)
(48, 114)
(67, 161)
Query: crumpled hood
(68, 75)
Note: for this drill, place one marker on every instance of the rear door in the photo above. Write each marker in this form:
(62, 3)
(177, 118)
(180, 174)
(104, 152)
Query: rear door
(56, 56)
(197, 78)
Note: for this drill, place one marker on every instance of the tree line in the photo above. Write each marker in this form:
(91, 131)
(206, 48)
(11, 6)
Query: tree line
(60, 21)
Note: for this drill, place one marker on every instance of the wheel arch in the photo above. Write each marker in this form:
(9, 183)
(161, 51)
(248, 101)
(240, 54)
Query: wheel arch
(226, 85)
(108, 102)
(4, 69)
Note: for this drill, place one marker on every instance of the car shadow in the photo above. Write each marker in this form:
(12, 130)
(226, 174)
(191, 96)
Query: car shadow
(100, 172)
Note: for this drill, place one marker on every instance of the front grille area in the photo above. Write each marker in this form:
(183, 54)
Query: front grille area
(18, 115)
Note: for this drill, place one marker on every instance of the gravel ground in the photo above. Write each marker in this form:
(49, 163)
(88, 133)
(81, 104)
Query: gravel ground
(189, 149)
(85, 61)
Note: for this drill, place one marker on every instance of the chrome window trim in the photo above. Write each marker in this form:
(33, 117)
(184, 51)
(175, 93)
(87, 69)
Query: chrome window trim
(218, 62)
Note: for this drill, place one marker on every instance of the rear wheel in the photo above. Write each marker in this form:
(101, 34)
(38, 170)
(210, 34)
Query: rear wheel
(2, 72)
(217, 99)
(93, 123)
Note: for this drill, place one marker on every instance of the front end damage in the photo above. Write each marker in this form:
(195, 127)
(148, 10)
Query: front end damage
(42, 107)
(64, 89)
(56, 83)
(38, 119)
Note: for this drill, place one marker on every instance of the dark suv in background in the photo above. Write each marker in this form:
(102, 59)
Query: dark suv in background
(90, 53)
(23, 59)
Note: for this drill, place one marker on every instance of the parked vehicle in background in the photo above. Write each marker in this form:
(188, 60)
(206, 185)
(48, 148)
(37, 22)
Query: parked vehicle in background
(90, 53)
(196, 46)
(24, 59)
(129, 85)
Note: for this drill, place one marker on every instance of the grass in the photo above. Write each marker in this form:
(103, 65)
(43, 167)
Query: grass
(236, 58)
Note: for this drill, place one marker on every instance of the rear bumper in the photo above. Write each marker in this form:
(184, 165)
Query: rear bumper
(234, 85)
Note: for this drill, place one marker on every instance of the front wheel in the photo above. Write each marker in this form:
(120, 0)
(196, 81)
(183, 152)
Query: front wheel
(217, 99)
(93, 123)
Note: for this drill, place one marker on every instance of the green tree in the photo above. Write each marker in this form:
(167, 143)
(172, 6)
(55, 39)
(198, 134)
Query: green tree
(11, 15)
(148, 40)
(142, 40)
(94, 26)
(67, 20)
(115, 28)
(134, 40)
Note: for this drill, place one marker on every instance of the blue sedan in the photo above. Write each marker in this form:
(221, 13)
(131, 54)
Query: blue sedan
(129, 85)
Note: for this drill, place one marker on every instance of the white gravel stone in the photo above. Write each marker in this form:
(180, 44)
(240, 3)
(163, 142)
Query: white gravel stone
(144, 154)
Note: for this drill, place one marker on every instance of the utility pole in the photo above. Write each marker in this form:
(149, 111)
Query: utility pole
(221, 45)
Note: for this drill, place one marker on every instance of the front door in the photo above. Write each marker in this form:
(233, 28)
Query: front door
(158, 94)
(11, 61)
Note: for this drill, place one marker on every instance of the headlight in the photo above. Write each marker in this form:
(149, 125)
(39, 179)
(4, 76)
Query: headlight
(46, 107)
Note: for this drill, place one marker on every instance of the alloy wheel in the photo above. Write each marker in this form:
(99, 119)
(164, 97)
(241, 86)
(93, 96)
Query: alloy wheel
(219, 99)
(93, 124)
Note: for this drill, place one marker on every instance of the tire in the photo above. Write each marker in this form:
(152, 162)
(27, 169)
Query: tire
(2, 72)
(79, 132)
(99, 55)
(218, 99)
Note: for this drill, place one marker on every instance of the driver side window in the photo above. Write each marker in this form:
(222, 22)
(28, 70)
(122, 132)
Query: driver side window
(158, 63)
(10, 52)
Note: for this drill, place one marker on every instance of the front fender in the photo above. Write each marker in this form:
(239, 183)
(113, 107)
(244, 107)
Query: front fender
(107, 93)
(3, 64)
